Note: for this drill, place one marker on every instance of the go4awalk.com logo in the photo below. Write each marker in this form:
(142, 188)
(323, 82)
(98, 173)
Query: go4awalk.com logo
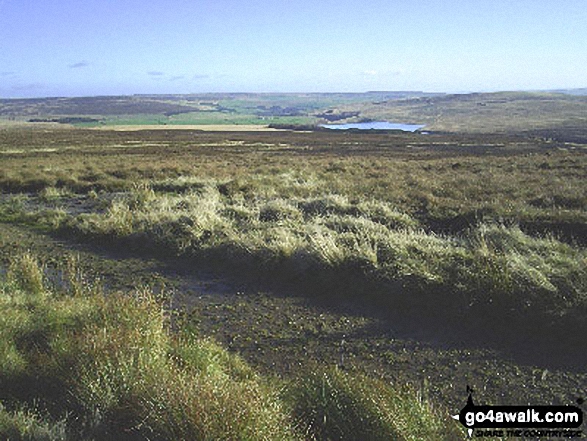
(521, 421)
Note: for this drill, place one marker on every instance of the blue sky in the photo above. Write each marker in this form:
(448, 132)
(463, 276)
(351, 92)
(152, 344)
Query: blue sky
(106, 47)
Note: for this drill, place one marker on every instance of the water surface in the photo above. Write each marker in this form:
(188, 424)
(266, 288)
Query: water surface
(375, 125)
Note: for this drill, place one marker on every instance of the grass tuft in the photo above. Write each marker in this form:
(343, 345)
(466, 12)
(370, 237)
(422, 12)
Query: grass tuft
(108, 367)
(332, 404)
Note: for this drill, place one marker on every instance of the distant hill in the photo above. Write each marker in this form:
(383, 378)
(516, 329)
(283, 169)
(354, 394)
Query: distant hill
(210, 108)
(580, 92)
(485, 112)
(112, 105)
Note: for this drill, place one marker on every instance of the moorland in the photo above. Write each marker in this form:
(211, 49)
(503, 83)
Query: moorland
(288, 283)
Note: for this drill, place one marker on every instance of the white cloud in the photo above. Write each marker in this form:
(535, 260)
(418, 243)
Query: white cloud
(79, 64)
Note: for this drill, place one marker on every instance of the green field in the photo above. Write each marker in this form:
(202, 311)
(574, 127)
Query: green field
(336, 285)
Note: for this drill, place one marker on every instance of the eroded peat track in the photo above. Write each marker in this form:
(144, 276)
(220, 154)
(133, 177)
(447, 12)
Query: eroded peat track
(280, 330)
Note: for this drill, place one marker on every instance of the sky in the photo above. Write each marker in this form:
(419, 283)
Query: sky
(121, 47)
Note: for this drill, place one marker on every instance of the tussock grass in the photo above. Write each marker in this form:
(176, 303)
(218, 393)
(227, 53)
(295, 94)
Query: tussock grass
(332, 241)
(49, 194)
(109, 367)
(443, 183)
(332, 404)
(27, 425)
(491, 268)
(78, 364)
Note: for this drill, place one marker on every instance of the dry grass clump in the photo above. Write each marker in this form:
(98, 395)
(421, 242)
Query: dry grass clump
(23, 424)
(496, 268)
(49, 194)
(281, 211)
(534, 274)
(331, 404)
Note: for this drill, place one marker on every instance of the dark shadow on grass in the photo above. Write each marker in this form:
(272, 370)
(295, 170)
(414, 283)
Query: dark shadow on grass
(411, 311)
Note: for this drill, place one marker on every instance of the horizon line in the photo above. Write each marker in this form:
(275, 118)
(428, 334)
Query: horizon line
(560, 90)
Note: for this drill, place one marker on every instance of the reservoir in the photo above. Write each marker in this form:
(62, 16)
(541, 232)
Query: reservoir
(374, 125)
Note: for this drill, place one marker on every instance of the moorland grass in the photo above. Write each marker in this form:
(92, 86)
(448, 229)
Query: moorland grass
(492, 269)
(411, 221)
(487, 232)
(444, 182)
(78, 364)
